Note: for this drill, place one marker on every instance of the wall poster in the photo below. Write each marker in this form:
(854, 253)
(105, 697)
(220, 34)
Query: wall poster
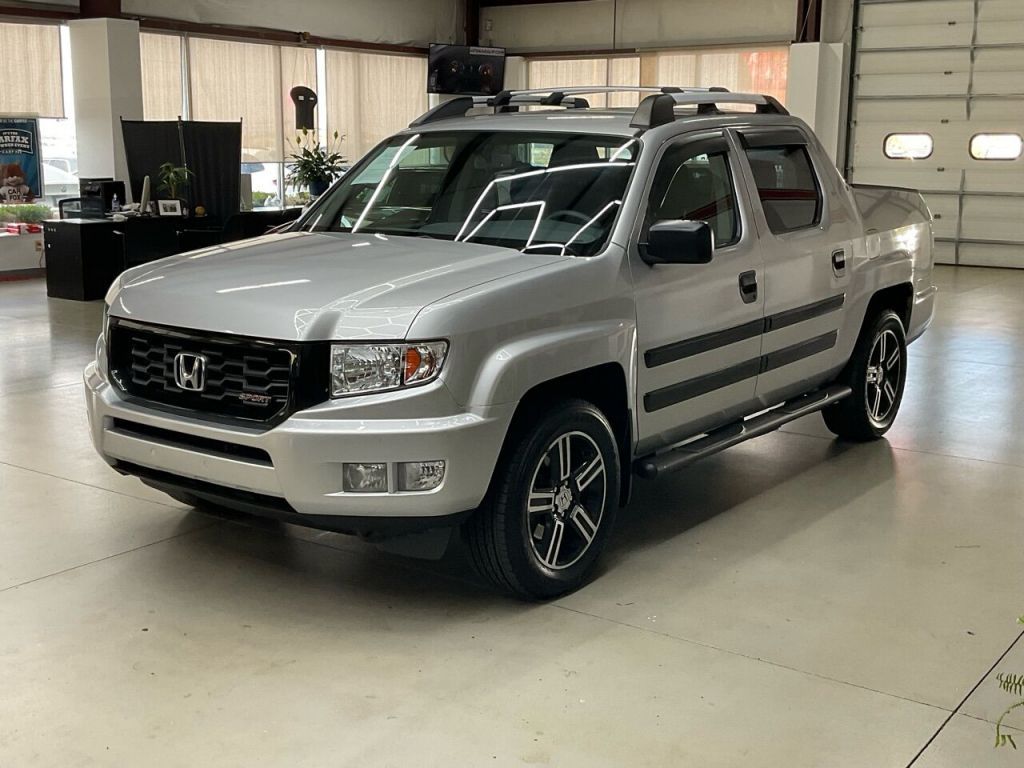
(21, 177)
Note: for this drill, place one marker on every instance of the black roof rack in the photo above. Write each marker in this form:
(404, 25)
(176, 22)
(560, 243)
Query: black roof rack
(658, 108)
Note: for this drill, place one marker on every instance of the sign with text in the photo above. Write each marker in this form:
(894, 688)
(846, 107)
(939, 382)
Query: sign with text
(21, 176)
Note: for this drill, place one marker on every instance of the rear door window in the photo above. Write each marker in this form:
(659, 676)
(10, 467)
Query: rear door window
(787, 186)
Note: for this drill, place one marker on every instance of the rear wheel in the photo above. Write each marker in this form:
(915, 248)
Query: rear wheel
(551, 506)
(877, 374)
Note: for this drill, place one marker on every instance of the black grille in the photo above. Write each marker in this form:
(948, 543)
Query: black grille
(245, 379)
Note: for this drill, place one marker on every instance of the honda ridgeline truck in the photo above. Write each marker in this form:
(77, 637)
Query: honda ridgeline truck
(495, 322)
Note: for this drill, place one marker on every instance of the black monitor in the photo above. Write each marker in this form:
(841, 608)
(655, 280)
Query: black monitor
(97, 196)
(466, 70)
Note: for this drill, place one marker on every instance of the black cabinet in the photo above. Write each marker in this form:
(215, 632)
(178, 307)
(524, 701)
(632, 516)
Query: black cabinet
(84, 256)
(82, 259)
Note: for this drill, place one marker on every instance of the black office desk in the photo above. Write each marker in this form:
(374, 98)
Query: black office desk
(84, 256)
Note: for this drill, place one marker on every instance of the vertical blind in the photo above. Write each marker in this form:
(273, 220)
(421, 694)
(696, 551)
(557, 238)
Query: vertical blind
(161, 76)
(761, 70)
(372, 95)
(367, 96)
(30, 78)
(619, 70)
(229, 81)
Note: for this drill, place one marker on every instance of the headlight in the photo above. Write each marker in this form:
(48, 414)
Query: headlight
(362, 368)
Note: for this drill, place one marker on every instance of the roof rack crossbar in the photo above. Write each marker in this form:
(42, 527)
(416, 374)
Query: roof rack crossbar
(657, 107)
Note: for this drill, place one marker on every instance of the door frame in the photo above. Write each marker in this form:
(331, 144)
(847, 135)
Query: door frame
(749, 239)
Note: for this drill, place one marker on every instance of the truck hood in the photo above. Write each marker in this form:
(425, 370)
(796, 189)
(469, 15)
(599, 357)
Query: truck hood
(311, 286)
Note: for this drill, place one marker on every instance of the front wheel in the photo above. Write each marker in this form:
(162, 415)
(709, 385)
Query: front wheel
(551, 506)
(877, 374)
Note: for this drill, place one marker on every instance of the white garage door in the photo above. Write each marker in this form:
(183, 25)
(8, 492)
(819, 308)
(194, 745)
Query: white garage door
(938, 104)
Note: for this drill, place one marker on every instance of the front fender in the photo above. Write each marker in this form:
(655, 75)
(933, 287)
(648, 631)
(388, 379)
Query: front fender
(509, 335)
(514, 367)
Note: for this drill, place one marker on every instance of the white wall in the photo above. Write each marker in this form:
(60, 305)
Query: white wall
(837, 21)
(379, 21)
(816, 91)
(588, 24)
(20, 252)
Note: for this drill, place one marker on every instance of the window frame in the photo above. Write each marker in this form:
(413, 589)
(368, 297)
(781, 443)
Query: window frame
(970, 147)
(885, 141)
(696, 145)
(784, 139)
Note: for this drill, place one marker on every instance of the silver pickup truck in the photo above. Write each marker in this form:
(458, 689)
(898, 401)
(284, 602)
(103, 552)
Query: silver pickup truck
(495, 322)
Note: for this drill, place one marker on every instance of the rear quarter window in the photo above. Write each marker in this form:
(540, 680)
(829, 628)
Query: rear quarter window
(787, 187)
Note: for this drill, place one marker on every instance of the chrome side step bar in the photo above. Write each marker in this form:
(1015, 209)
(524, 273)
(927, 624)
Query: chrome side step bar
(725, 437)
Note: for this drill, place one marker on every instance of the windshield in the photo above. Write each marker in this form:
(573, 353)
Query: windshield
(539, 192)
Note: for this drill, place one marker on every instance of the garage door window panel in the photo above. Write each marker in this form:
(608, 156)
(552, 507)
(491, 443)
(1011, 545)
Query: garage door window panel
(908, 146)
(996, 146)
(787, 187)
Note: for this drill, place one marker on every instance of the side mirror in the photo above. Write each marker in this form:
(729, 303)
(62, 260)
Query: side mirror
(678, 242)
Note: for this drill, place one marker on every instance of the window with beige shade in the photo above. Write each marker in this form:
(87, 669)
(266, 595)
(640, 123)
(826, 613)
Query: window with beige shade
(161, 76)
(757, 70)
(371, 96)
(230, 81)
(31, 78)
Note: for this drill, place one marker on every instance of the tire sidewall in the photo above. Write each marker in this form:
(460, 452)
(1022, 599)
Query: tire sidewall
(887, 321)
(538, 579)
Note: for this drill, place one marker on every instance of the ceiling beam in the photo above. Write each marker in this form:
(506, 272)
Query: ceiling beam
(472, 16)
(808, 21)
(492, 3)
(99, 9)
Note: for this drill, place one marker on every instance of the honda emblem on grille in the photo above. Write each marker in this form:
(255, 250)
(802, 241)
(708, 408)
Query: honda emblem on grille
(190, 371)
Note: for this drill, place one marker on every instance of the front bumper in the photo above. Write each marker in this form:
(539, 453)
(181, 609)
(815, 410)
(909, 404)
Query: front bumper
(297, 465)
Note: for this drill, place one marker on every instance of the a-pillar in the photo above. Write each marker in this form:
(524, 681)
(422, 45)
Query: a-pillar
(107, 76)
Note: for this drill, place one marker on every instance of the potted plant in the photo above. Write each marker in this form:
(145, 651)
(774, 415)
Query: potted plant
(1012, 684)
(313, 165)
(22, 218)
(172, 178)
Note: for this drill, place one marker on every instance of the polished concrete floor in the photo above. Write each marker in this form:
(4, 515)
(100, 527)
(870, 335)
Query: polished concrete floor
(794, 601)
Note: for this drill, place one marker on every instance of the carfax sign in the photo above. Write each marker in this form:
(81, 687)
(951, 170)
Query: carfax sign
(21, 178)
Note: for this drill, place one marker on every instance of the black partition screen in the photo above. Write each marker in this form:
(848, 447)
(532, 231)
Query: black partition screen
(212, 151)
(148, 144)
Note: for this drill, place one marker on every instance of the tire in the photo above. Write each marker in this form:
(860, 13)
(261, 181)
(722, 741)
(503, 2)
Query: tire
(541, 528)
(871, 409)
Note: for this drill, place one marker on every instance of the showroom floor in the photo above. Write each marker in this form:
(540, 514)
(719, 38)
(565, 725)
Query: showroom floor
(792, 602)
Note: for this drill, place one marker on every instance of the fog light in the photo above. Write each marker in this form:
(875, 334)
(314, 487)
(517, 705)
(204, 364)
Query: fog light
(365, 478)
(420, 475)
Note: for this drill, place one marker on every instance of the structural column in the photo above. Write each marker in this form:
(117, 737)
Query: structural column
(107, 76)
(816, 90)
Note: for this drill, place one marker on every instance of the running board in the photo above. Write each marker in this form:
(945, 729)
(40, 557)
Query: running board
(737, 432)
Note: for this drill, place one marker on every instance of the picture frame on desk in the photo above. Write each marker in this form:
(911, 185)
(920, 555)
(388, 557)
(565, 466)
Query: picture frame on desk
(169, 208)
